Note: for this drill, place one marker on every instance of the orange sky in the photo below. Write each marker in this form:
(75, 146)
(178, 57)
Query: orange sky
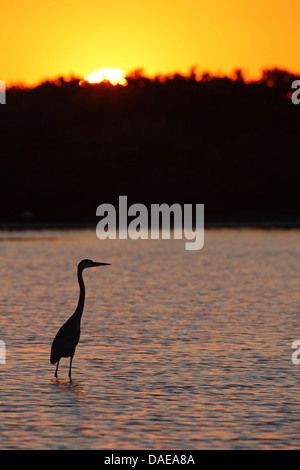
(46, 38)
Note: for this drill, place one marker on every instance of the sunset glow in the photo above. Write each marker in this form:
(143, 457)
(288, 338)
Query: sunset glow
(114, 76)
(161, 38)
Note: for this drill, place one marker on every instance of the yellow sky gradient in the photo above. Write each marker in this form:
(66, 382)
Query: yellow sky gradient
(46, 38)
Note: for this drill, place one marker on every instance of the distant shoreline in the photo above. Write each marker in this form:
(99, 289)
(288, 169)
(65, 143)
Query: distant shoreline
(210, 224)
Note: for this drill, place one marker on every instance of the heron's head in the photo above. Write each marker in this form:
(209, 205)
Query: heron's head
(88, 263)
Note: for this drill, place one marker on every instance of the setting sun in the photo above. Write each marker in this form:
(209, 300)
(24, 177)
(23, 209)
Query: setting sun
(114, 76)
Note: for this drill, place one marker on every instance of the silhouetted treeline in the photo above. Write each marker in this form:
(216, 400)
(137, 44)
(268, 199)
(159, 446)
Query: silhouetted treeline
(68, 146)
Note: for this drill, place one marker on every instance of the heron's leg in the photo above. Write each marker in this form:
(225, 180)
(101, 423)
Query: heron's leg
(71, 359)
(55, 375)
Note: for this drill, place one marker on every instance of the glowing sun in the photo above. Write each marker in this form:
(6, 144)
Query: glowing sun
(114, 76)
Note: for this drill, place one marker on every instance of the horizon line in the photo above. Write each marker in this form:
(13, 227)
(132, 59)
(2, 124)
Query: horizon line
(130, 74)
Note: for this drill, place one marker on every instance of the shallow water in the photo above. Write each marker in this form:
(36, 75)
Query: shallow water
(179, 349)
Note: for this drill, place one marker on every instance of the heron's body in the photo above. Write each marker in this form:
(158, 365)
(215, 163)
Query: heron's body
(67, 337)
(65, 341)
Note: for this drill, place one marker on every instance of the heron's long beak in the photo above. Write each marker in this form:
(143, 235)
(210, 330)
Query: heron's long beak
(101, 264)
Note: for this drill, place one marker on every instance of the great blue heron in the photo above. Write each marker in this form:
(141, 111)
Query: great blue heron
(68, 335)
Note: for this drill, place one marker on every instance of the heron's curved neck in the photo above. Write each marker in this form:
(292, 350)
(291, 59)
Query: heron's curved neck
(79, 309)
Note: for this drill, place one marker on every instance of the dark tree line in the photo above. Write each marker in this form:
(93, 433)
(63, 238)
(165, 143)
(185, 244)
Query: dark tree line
(232, 145)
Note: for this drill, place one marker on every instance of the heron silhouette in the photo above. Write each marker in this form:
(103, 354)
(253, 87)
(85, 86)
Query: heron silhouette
(67, 337)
